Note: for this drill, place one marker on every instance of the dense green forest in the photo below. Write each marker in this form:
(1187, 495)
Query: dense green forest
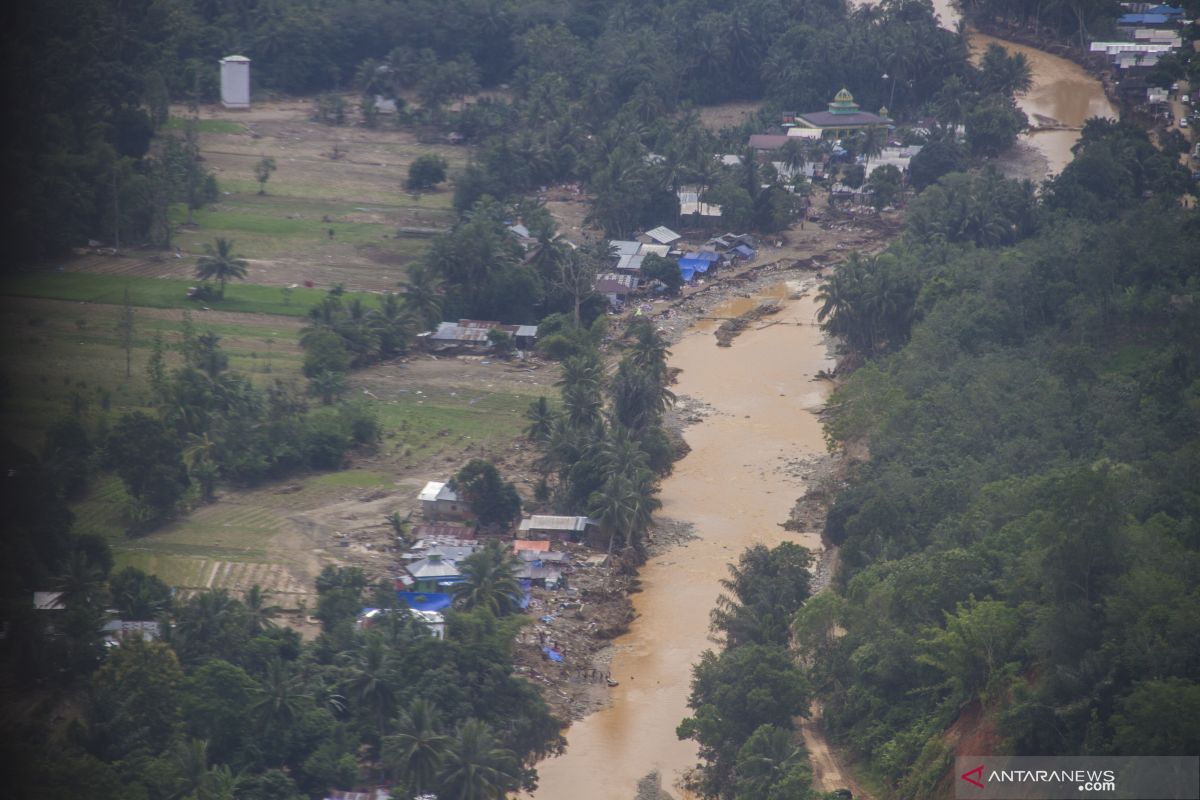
(1019, 554)
(591, 89)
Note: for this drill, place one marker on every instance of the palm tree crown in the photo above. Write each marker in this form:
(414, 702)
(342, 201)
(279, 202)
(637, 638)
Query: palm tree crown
(221, 263)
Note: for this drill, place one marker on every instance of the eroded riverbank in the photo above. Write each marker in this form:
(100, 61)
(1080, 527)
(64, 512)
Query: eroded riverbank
(736, 487)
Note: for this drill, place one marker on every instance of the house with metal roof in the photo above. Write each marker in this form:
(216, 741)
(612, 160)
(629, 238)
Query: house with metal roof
(616, 286)
(439, 501)
(631, 264)
(429, 572)
(663, 235)
(622, 247)
(544, 526)
(473, 334)
(843, 117)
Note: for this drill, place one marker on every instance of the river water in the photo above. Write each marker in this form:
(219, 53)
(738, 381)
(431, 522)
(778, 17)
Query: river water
(1062, 93)
(734, 489)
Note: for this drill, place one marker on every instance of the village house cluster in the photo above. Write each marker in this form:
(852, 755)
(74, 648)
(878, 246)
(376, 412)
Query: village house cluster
(1146, 34)
(547, 549)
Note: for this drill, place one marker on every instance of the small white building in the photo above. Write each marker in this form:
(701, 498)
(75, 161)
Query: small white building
(235, 82)
(439, 501)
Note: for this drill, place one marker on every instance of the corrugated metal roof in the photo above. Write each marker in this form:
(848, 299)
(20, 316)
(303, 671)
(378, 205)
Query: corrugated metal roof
(544, 522)
(476, 331)
(655, 249)
(620, 247)
(617, 285)
(430, 568)
(630, 263)
(236, 59)
(442, 530)
(768, 141)
(530, 544)
(663, 235)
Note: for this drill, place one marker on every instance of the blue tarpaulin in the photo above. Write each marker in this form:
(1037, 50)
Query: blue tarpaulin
(553, 654)
(744, 251)
(703, 255)
(1142, 19)
(694, 265)
(425, 601)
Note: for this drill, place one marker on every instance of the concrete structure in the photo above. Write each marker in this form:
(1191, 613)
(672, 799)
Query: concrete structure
(690, 203)
(439, 501)
(842, 118)
(235, 82)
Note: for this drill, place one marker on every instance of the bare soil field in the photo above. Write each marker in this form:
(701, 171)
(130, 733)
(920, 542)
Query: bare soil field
(727, 115)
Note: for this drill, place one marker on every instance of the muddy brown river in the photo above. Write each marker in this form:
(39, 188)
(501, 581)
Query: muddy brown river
(1062, 94)
(733, 487)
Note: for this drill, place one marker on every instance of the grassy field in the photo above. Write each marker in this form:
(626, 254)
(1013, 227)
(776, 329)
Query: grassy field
(88, 287)
(60, 351)
(57, 353)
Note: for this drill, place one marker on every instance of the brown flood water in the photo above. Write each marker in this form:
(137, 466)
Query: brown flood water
(1062, 93)
(732, 488)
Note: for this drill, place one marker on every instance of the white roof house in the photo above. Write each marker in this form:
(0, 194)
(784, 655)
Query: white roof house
(438, 500)
(435, 491)
(620, 247)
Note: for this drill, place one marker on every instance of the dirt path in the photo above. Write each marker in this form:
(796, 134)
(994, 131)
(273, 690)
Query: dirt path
(828, 775)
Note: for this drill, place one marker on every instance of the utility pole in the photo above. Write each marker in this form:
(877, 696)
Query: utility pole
(116, 209)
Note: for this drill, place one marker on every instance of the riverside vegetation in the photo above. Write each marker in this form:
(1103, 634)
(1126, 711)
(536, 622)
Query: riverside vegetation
(1018, 556)
(1070, 319)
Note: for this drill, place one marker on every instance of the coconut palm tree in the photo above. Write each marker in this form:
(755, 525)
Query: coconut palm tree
(489, 581)
(422, 295)
(541, 420)
(649, 350)
(221, 263)
(199, 458)
(871, 146)
(277, 699)
(392, 325)
(414, 753)
(475, 767)
(259, 615)
(370, 687)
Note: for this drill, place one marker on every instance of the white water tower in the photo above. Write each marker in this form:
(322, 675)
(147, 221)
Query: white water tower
(235, 82)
